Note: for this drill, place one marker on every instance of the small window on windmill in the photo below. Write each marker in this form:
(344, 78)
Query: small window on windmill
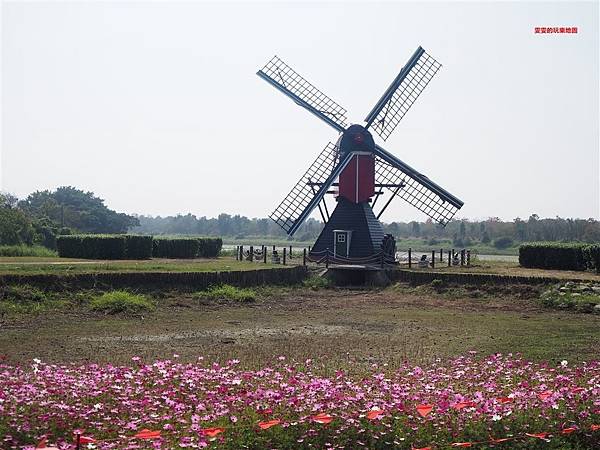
(341, 242)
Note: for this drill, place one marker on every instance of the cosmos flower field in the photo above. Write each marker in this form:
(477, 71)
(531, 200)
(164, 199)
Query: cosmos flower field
(497, 401)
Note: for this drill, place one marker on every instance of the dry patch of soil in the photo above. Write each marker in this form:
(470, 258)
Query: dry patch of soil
(341, 328)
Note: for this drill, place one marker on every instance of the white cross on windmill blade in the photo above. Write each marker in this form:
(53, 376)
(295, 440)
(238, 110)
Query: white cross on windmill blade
(363, 168)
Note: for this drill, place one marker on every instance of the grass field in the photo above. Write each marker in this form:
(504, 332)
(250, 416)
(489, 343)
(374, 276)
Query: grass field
(340, 328)
(32, 265)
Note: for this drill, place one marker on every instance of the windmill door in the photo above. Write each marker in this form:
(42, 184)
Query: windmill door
(341, 242)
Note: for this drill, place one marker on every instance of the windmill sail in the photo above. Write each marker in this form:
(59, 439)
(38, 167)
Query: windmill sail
(284, 78)
(303, 198)
(414, 187)
(402, 93)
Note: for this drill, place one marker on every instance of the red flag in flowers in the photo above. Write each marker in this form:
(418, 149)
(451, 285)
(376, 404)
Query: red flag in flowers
(375, 414)
(43, 445)
(212, 432)
(595, 427)
(504, 399)
(568, 430)
(80, 439)
(461, 444)
(147, 434)
(424, 410)
(577, 390)
(322, 418)
(461, 405)
(422, 448)
(543, 396)
(537, 435)
(494, 440)
(269, 424)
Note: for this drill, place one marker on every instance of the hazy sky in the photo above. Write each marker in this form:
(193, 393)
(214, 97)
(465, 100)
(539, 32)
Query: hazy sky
(155, 106)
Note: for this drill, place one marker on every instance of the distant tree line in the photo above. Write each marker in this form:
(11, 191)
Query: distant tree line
(461, 232)
(43, 215)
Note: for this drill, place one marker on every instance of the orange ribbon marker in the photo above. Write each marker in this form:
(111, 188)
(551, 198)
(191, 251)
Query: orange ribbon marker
(543, 396)
(461, 444)
(494, 440)
(269, 424)
(322, 418)
(375, 414)
(43, 445)
(147, 434)
(595, 427)
(212, 432)
(504, 399)
(537, 435)
(424, 410)
(461, 405)
(422, 448)
(568, 430)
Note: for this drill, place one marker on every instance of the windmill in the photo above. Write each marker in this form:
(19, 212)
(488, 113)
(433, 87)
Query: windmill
(364, 170)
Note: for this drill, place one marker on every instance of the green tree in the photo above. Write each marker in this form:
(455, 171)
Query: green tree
(76, 209)
(15, 227)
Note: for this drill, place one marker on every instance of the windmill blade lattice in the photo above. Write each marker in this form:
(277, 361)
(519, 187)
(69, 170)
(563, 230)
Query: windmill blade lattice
(289, 211)
(287, 80)
(403, 92)
(414, 191)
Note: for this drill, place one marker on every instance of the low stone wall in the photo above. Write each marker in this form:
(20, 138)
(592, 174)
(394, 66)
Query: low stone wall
(422, 277)
(154, 280)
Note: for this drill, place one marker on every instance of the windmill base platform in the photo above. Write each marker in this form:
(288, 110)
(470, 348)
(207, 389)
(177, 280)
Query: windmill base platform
(356, 275)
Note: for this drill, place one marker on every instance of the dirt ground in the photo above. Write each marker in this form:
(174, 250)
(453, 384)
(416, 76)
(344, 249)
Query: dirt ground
(340, 328)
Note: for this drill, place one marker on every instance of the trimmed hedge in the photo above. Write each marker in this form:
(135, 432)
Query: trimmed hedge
(138, 247)
(210, 247)
(175, 247)
(130, 246)
(561, 256)
(591, 254)
(91, 246)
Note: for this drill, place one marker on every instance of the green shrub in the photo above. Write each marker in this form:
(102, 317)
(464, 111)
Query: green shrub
(582, 297)
(116, 302)
(591, 254)
(22, 294)
(138, 247)
(316, 282)
(175, 247)
(209, 247)
(437, 285)
(226, 291)
(553, 255)
(26, 250)
(26, 299)
(91, 246)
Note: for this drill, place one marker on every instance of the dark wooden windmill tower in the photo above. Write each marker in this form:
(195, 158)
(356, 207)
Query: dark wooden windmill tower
(357, 170)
